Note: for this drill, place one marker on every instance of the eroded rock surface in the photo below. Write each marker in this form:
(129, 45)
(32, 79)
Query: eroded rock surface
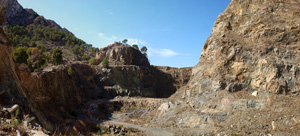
(58, 95)
(181, 75)
(120, 54)
(136, 81)
(247, 65)
(17, 15)
(255, 44)
(9, 83)
(130, 74)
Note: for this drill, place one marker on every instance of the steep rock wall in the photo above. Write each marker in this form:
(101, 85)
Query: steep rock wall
(9, 82)
(254, 44)
(131, 80)
(249, 61)
(180, 75)
(59, 95)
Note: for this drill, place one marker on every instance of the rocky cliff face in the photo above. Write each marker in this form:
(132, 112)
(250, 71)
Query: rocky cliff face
(17, 15)
(130, 74)
(119, 54)
(9, 82)
(254, 44)
(180, 75)
(51, 96)
(248, 62)
(59, 95)
(149, 81)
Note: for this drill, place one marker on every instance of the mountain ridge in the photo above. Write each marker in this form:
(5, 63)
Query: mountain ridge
(17, 15)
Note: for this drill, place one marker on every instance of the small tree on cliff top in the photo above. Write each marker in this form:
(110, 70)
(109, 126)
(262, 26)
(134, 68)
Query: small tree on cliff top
(135, 46)
(144, 50)
(125, 41)
(105, 63)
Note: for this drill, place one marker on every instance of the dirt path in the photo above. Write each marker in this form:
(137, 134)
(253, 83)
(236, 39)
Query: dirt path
(118, 119)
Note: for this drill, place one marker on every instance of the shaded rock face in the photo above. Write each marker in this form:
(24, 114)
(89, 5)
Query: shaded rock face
(58, 95)
(130, 74)
(9, 81)
(119, 54)
(17, 15)
(141, 81)
(52, 96)
(180, 75)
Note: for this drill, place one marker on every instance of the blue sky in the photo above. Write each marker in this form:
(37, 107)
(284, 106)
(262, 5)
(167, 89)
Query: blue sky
(174, 31)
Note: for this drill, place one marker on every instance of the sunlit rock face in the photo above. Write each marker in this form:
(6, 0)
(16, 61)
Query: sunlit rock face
(17, 15)
(254, 44)
(248, 63)
(120, 54)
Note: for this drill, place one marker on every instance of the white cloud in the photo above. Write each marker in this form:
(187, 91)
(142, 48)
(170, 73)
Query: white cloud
(165, 53)
(109, 38)
(101, 34)
(112, 38)
(132, 41)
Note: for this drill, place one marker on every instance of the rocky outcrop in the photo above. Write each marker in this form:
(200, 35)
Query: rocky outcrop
(248, 62)
(17, 15)
(51, 96)
(9, 82)
(120, 54)
(58, 95)
(136, 81)
(180, 75)
(254, 44)
(130, 74)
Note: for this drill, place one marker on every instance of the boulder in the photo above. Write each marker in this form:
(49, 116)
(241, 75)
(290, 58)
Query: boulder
(120, 54)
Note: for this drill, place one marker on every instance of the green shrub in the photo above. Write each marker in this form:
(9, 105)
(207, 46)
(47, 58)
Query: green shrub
(105, 63)
(92, 61)
(125, 41)
(14, 118)
(33, 44)
(28, 51)
(20, 55)
(43, 48)
(235, 134)
(36, 60)
(70, 71)
(144, 50)
(85, 57)
(56, 56)
(135, 46)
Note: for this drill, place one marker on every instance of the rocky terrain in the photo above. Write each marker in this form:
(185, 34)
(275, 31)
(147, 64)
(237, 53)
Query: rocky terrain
(120, 54)
(247, 79)
(130, 74)
(246, 83)
(16, 15)
(26, 28)
(55, 99)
